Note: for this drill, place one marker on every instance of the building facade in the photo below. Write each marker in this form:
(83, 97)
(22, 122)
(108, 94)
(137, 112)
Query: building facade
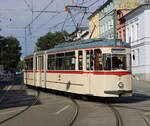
(108, 17)
(94, 25)
(138, 34)
(121, 30)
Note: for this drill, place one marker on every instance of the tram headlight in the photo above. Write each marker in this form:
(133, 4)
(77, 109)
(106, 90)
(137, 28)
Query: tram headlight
(121, 85)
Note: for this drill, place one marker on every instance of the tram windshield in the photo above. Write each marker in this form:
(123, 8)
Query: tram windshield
(116, 62)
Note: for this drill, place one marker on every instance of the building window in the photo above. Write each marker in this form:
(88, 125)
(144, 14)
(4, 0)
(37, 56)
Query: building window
(133, 35)
(133, 55)
(124, 34)
(137, 31)
(106, 26)
(138, 56)
(128, 35)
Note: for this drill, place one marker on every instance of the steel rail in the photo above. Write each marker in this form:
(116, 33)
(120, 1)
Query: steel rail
(22, 111)
(126, 107)
(119, 121)
(74, 117)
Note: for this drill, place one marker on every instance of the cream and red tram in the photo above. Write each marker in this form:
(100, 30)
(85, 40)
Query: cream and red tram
(97, 67)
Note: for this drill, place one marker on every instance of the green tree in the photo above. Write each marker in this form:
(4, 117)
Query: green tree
(50, 40)
(10, 52)
(21, 65)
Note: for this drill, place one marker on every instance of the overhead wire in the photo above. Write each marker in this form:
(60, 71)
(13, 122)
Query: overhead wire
(28, 5)
(64, 22)
(46, 22)
(93, 3)
(41, 12)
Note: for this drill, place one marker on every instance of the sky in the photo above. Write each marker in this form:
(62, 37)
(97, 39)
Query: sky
(16, 16)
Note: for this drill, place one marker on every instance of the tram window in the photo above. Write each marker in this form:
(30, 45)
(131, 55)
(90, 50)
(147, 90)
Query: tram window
(80, 60)
(119, 62)
(70, 61)
(60, 61)
(89, 60)
(40, 63)
(36, 63)
(29, 64)
(98, 59)
(107, 61)
(51, 65)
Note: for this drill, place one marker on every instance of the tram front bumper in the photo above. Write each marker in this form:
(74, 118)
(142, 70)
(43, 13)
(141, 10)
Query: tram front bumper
(119, 92)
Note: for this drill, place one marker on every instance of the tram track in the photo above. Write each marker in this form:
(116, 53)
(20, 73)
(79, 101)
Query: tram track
(7, 97)
(74, 117)
(119, 121)
(132, 108)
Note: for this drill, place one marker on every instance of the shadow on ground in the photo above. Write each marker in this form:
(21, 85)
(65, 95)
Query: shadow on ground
(17, 96)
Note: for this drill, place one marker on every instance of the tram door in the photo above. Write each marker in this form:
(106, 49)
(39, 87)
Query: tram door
(40, 70)
(89, 65)
(35, 69)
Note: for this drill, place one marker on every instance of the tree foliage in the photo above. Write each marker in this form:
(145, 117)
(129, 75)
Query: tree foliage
(10, 52)
(50, 40)
(21, 65)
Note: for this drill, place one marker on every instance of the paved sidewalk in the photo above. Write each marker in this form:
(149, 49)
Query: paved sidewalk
(141, 86)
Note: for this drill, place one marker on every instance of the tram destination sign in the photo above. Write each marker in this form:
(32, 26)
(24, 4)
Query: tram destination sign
(127, 4)
(116, 50)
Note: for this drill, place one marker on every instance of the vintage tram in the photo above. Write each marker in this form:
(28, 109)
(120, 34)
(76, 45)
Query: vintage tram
(96, 67)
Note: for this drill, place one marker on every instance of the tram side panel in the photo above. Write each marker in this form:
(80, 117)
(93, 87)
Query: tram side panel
(28, 78)
(108, 85)
(97, 85)
(68, 82)
(118, 86)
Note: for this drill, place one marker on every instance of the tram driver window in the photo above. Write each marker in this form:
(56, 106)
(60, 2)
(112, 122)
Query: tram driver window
(119, 62)
(98, 59)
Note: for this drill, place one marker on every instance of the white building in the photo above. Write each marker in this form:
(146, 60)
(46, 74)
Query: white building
(138, 34)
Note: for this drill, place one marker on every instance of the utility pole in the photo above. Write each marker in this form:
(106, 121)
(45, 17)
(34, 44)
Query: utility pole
(25, 31)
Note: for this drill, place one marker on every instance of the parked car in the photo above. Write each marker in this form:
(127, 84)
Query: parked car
(5, 76)
(18, 72)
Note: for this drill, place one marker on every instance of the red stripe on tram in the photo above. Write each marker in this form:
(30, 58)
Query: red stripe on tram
(83, 72)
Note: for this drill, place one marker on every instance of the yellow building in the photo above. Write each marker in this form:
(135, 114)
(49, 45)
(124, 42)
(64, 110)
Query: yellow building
(103, 22)
(94, 25)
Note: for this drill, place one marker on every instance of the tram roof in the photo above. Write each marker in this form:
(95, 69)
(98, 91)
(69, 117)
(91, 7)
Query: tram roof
(89, 43)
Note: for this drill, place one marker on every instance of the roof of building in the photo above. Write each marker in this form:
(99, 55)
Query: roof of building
(140, 8)
(89, 43)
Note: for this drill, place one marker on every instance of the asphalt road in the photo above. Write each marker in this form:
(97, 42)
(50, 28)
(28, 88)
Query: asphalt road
(22, 106)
